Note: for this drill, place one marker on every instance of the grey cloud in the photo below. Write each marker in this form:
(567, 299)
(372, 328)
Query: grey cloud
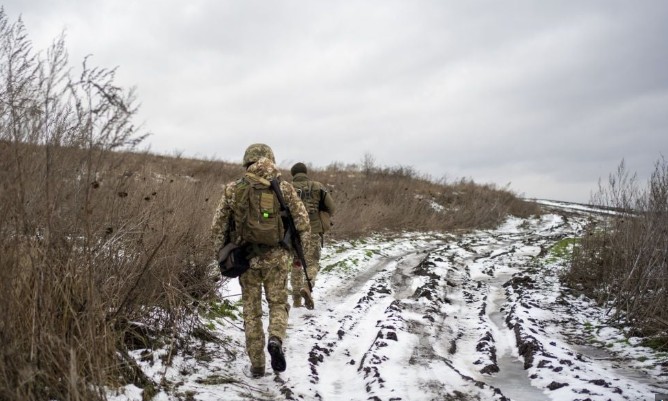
(550, 94)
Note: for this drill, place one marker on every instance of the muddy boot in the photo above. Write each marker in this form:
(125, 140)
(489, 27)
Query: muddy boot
(297, 301)
(254, 372)
(275, 348)
(308, 300)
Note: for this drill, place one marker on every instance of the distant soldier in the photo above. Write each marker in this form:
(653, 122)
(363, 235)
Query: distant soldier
(320, 207)
(269, 262)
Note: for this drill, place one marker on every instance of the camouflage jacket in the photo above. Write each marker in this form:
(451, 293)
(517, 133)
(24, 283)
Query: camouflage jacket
(266, 169)
(318, 200)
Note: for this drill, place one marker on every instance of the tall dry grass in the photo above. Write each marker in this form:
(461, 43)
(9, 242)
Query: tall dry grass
(98, 247)
(377, 199)
(624, 261)
(104, 248)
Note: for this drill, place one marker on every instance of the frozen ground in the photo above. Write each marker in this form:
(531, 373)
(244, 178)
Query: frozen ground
(423, 316)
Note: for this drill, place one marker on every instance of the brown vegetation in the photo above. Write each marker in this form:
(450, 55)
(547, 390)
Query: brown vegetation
(102, 248)
(623, 262)
(374, 199)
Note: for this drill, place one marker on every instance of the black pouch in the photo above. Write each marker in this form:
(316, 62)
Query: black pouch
(233, 260)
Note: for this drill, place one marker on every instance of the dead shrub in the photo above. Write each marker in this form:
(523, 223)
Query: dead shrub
(92, 237)
(623, 261)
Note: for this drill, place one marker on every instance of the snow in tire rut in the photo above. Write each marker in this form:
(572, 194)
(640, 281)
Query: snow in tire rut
(475, 316)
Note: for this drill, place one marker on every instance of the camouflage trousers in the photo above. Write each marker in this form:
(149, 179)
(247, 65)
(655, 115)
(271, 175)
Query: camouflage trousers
(312, 256)
(268, 271)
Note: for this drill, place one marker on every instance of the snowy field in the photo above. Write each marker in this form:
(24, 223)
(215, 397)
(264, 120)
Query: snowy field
(424, 316)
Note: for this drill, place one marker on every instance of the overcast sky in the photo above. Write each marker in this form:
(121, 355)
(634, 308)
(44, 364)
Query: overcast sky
(548, 96)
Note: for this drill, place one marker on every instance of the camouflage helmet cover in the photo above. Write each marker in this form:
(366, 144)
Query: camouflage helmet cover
(255, 151)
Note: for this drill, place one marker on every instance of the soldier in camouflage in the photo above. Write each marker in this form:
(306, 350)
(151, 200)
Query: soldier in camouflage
(320, 207)
(269, 265)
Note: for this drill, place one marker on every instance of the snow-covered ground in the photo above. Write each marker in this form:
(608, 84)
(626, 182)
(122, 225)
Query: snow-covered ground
(560, 205)
(425, 316)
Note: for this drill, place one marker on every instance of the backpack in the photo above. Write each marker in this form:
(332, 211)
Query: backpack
(309, 197)
(257, 216)
(313, 196)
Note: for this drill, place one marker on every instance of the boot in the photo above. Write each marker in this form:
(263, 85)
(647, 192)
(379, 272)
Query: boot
(275, 348)
(254, 372)
(308, 300)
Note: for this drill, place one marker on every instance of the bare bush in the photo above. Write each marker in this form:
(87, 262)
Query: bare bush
(94, 244)
(624, 261)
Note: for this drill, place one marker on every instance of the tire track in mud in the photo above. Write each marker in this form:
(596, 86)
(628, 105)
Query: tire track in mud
(358, 333)
(535, 361)
(450, 317)
(456, 278)
(341, 335)
(482, 265)
(401, 306)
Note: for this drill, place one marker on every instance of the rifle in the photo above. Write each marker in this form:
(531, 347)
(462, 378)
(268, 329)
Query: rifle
(291, 235)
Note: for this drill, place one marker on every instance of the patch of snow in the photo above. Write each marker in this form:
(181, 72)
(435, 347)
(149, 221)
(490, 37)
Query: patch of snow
(576, 207)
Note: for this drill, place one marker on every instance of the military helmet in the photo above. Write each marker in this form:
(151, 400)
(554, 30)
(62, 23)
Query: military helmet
(255, 151)
(298, 168)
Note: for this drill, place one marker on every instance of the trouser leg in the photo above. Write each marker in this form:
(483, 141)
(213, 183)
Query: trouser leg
(296, 282)
(313, 258)
(251, 294)
(276, 265)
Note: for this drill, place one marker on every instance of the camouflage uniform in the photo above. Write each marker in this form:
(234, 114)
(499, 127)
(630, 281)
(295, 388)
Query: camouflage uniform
(318, 200)
(297, 278)
(269, 268)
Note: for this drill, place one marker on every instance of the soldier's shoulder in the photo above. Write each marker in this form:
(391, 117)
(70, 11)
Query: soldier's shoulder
(317, 186)
(286, 184)
(298, 183)
(232, 186)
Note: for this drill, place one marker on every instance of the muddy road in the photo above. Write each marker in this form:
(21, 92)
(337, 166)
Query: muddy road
(422, 316)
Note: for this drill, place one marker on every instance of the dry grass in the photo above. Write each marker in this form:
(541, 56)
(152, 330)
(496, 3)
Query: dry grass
(624, 262)
(87, 261)
(372, 199)
(104, 249)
